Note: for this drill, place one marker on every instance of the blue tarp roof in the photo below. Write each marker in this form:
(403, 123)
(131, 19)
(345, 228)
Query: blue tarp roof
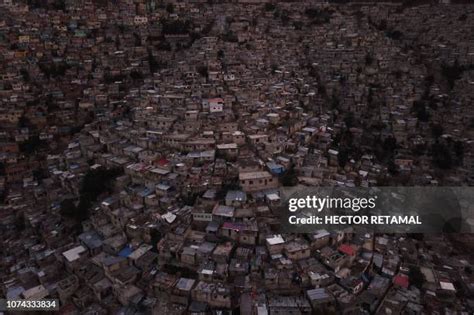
(126, 251)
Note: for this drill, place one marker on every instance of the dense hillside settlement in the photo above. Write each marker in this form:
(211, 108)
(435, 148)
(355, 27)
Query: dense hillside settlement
(144, 144)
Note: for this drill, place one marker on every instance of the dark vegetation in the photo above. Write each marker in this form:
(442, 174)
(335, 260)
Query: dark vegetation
(59, 5)
(416, 277)
(453, 72)
(54, 70)
(94, 184)
(32, 145)
(269, 7)
(289, 178)
(175, 27)
(319, 16)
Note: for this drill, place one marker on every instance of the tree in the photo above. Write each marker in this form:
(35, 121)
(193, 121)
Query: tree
(20, 221)
(419, 149)
(390, 144)
(459, 149)
(322, 89)
(152, 63)
(394, 34)
(25, 75)
(441, 156)
(54, 70)
(32, 145)
(343, 157)
(24, 122)
(269, 7)
(68, 208)
(136, 75)
(437, 130)
(59, 5)
(155, 236)
(383, 25)
(175, 26)
(202, 70)
(220, 54)
(417, 278)
(349, 120)
(419, 108)
(164, 45)
(230, 36)
(318, 16)
(285, 17)
(289, 178)
(392, 167)
(97, 181)
(170, 8)
(335, 102)
(369, 59)
(94, 183)
(138, 40)
(452, 73)
(274, 68)
(39, 174)
(190, 198)
(370, 97)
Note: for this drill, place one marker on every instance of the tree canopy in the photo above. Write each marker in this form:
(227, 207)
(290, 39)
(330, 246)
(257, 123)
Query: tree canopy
(94, 184)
